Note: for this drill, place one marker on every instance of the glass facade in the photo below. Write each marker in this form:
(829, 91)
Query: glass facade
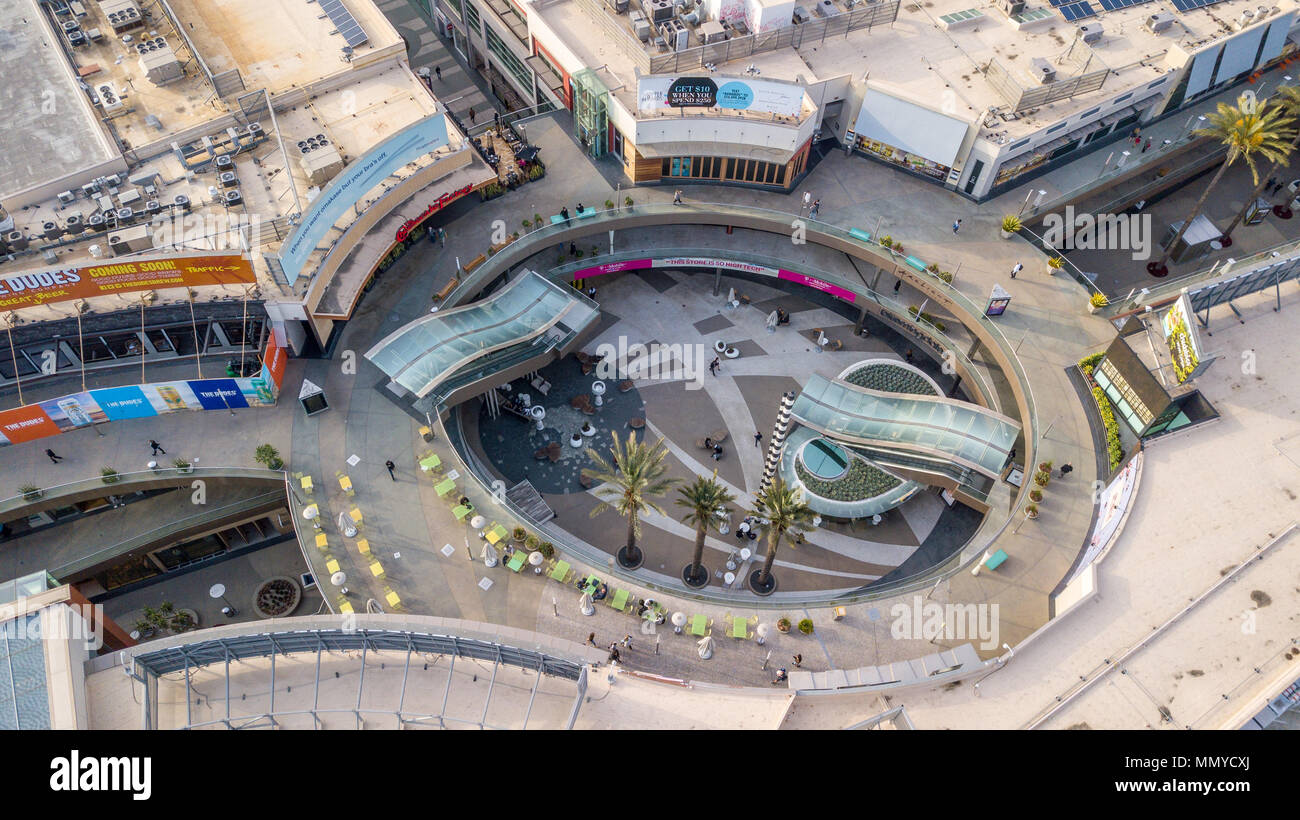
(509, 60)
(471, 15)
(24, 703)
(727, 169)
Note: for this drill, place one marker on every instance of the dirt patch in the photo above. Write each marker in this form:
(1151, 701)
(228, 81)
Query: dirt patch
(1288, 492)
(1260, 598)
(1196, 673)
(1083, 725)
(1227, 569)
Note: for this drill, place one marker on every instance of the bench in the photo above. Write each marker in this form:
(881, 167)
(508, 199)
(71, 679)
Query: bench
(475, 262)
(995, 560)
(442, 295)
(858, 233)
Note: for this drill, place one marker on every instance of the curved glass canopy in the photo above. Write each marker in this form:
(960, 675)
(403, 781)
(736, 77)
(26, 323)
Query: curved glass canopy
(964, 433)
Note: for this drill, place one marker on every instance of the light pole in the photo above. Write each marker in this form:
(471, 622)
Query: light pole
(219, 591)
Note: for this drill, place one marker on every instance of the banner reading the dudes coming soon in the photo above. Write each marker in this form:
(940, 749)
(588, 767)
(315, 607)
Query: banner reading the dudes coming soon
(33, 288)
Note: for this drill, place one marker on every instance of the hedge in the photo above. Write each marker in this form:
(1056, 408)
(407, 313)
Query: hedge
(1114, 451)
(860, 482)
(890, 378)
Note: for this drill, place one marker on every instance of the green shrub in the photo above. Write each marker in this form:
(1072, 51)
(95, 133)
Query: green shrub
(110, 476)
(1011, 224)
(547, 549)
(519, 534)
(1098, 300)
(533, 542)
(268, 455)
(609, 204)
(31, 492)
(627, 200)
(806, 626)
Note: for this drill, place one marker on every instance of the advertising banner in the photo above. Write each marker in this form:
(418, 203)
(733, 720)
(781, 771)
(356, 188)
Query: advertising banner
(121, 403)
(26, 423)
(784, 99)
(256, 391)
(76, 410)
(21, 290)
(1184, 344)
(165, 397)
(359, 177)
(218, 394)
(273, 360)
(1112, 505)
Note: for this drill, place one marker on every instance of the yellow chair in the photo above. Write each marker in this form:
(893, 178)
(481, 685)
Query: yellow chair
(364, 546)
(321, 541)
(392, 599)
(306, 484)
(356, 514)
(331, 566)
(376, 569)
(345, 608)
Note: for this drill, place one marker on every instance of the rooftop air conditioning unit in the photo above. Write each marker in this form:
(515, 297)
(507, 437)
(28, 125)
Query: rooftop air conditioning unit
(1091, 33)
(640, 25)
(1043, 70)
(659, 10)
(108, 97)
(233, 197)
(1160, 21)
(67, 198)
(1013, 7)
(800, 14)
(825, 8)
(619, 6)
(1247, 17)
(228, 179)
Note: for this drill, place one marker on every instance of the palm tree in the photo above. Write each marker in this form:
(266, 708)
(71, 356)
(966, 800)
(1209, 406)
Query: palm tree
(1287, 99)
(1248, 130)
(627, 486)
(782, 506)
(705, 499)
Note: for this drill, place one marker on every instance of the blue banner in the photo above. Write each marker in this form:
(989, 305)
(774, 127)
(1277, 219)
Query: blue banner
(363, 174)
(120, 403)
(218, 394)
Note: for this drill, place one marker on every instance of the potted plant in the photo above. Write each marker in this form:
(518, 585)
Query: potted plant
(609, 204)
(1096, 302)
(31, 492)
(537, 220)
(268, 455)
(547, 549)
(1031, 510)
(1055, 263)
(533, 542)
(783, 624)
(1010, 226)
(806, 626)
(887, 241)
(1035, 495)
(1041, 478)
(519, 535)
(527, 223)
(109, 475)
(182, 466)
(627, 200)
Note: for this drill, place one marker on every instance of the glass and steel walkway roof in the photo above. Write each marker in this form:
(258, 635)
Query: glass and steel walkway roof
(964, 433)
(429, 350)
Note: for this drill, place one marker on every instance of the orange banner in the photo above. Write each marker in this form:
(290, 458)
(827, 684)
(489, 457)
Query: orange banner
(21, 290)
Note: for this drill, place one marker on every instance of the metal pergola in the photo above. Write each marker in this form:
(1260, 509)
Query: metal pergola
(149, 667)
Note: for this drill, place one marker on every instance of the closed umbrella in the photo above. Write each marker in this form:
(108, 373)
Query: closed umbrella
(588, 608)
(705, 648)
(771, 320)
(489, 555)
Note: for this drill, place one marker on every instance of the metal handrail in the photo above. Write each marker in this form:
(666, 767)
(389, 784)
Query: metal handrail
(135, 477)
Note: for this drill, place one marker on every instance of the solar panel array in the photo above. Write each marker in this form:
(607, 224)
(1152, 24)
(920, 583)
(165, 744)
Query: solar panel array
(1193, 5)
(344, 22)
(1116, 5)
(1076, 11)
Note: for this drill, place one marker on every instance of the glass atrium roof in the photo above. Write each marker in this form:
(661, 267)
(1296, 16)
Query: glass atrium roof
(428, 350)
(964, 432)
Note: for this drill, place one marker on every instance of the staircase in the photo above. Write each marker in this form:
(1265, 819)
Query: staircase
(526, 498)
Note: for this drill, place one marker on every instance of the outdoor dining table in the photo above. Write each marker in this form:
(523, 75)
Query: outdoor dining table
(497, 533)
(739, 628)
(561, 570)
(430, 462)
(461, 511)
(516, 561)
(444, 487)
(697, 624)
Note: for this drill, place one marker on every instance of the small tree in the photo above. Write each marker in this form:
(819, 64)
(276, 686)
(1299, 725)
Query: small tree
(110, 476)
(806, 626)
(268, 455)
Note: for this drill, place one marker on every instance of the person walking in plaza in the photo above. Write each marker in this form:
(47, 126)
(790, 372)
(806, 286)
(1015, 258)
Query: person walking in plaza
(812, 214)
(956, 226)
(798, 661)
(677, 197)
(613, 653)
(442, 237)
(714, 365)
(438, 70)
(627, 641)
(157, 448)
(53, 458)
(1017, 269)
(471, 115)
(758, 439)
(1146, 145)
(898, 285)
(908, 354)
(1066, 469)
(390, 465)
(781, 676)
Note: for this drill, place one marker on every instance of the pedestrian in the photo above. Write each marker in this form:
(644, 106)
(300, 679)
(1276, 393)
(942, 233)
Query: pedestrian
(1277, 187)
(1066, 469)
(591, 639)
(807, 199)
(613, 653)
(798, 661)
(390, 465)
(781, 676)
(53, 458)
(442, 237)
(1017, 269)
(898, 285)
(717, 452)
(573, 249)
(627, 641)
(579, 210)
(438, 70)
(1146, 145)
(758, 439)
(677, 197)
(714, 365)
(956, 226)
(813, 213)
(157, 448)
(908, 355)
(1011, 456)
(471, 115)
(564, 212)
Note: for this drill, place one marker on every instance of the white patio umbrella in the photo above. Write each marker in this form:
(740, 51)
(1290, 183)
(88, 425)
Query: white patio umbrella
(338, 579)
(588, 608)
(705, 648)
(761, 631)
(489, 555)
(311, 512)
(535, 559)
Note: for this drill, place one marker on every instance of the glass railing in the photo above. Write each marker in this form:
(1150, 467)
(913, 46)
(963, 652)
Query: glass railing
(125, 482)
